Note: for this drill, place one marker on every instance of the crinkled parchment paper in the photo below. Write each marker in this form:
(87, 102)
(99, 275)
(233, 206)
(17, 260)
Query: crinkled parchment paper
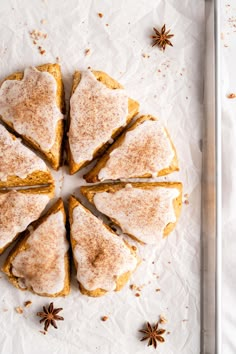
(228, 37)
(168, 85)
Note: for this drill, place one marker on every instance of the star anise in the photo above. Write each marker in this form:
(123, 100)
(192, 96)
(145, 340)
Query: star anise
(153, 334)
(162, 38)
(49, 316)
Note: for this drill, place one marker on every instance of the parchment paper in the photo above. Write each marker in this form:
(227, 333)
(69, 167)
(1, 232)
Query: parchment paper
(168, 85)
(228, 37)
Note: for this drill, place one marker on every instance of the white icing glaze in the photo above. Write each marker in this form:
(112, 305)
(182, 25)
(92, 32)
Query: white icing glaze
(101, 255)
(146, 149)
(143, 213)
(18, 210)
(96, 112)
(42, 265)
(30, 105)
(16, 159)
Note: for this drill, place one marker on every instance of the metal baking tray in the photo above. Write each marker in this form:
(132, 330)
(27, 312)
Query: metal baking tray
(211, 189)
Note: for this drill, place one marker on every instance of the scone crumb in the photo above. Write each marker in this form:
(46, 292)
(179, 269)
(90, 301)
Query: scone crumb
(145, 55)
(133, 287)
(231, 95)
(163, 319)
(19, 310)
(168, 332)
(27, 303)
(104, 318)
(137, 294)
(58, 59)
(43, 21)
(87, 51)
(107, 24)
(186, 202)
(158, 289)
(100, 15)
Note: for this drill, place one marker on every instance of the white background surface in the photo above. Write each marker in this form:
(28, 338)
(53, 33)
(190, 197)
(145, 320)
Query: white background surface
(167, 85)
(229, 173)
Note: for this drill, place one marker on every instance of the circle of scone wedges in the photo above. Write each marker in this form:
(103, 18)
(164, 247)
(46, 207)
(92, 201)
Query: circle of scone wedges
(126, 153)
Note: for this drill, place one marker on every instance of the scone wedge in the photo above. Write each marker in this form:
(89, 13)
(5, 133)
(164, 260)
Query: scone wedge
(99, 111)
(31, 104)
(20, 166)
(141, 151)
(19, 208)
(39, 262)
(104, 262)
(146, 211)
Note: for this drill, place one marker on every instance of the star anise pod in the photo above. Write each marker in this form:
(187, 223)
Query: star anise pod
(153, 334)
(162, 38)
(50, 316)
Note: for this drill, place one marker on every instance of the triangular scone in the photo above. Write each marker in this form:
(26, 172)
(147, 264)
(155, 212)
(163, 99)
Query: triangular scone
(104, 262)
(31, 104)
(99, 111)
(39, 262)
(143, 150)
(145, 211)
(20, 166)
(18, 209)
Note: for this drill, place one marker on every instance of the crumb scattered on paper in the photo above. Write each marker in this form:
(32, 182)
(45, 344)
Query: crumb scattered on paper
(163, 319)
(27, 303)
(100, 15)
(87, 51)
(158, 289)
(231, 95)
(38, 38)
(104, 318)
(19, 310)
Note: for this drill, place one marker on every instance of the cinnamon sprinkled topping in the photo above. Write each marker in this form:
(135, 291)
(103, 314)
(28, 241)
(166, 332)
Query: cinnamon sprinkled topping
(101, 255)
(30, 105)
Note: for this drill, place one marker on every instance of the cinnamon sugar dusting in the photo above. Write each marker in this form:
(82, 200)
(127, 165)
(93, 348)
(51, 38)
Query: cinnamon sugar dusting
(18, 210)
(145, 150)
(30, 105)
(16, 159)
(101, 255)
(96, 112)
(143, 213)
(41, 264)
